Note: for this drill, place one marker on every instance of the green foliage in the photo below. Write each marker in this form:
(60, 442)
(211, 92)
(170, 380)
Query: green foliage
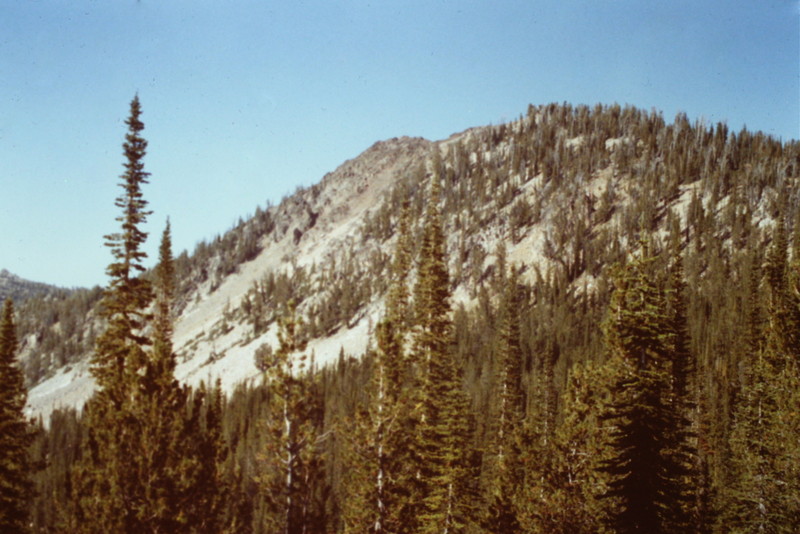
(650, 461)
(107, 492)
(503, 458)
(765, 453)
(380, 458)
(56, 330)
(697, 383)
(148, 463)
(567, 491)
(16, 434)
(292, 467)
(447, 467)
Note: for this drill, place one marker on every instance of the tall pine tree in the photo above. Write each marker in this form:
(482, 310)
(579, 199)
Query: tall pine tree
(106, 493)
(141, 469)
(447, 469)
(504, 455)
(16, 435)
(380, 474)
(568, 495)
(290, 456)
(177, 451)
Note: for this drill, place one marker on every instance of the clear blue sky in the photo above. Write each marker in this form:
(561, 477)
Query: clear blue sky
(245, 100)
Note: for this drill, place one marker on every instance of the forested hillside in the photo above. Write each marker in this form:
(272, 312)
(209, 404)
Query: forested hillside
(19, 289)
(583, 320)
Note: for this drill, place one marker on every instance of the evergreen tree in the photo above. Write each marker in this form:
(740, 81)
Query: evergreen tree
(568, 494)
(447, 463)
(105, 490)
(290, 457)
(648, 466)
(16, 435)
(691, 506)
(504, 456)
(204, 492)
(511, 412)
(765, 453)
(165, 295)
(783, 300)
(179, 452)
(377, 499)
(765, 460)
(141, 468)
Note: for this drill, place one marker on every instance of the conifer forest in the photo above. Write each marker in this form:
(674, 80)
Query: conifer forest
(640, 375)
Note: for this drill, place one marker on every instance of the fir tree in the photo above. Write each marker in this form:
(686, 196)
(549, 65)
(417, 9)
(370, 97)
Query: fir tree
(204, 492)
(504, 456)
(568, 494)
(377, 499)
(691, 505)
(783, 300)
(447, 463)
(179, 453)
(105, 489)
(648, 466)
(16, 435)
(765, 458)
(141, 469)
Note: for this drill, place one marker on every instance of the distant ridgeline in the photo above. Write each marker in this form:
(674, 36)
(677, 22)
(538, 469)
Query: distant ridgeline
(19, 289)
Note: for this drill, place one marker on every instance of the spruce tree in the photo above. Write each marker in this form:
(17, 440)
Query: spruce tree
(204, 493)
(783, 300)
(649, 465)
(141, 468)
(508, 430)
(568, 495)
(765, 460)
(444, 441)
(16, 434)
(105, 487)
(179, 452)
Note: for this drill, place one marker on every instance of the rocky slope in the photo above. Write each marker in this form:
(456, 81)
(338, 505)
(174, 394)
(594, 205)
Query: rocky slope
(312, 228)
(564, 190)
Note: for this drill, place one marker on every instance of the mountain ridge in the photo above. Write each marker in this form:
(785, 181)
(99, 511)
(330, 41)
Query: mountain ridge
(563, 191)
(18, 288)
(296, 241)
